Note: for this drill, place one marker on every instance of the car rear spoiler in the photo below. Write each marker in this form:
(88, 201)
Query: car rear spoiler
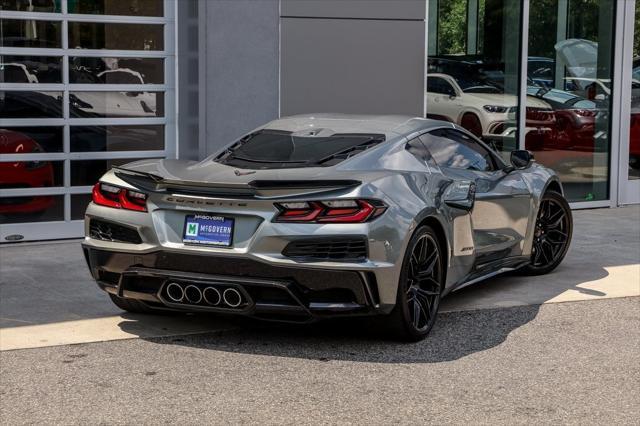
(254, 189)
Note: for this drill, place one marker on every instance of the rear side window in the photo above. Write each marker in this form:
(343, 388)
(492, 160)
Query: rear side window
(457, 151)
(417, 148)
(270, 149)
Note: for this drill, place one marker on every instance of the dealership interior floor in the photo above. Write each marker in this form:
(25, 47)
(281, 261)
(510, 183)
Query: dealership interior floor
(47, 297)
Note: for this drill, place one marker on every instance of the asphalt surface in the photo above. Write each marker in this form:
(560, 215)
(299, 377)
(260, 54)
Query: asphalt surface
(569, 363)
(48, 298)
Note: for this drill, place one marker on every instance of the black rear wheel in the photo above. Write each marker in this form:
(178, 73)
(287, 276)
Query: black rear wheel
(420, 287)
(552, 234)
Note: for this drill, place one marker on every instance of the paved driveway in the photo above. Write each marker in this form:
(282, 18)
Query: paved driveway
(566, 363)
(504, 351)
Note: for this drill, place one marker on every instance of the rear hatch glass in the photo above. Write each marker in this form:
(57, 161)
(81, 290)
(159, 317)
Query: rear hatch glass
(272, 149)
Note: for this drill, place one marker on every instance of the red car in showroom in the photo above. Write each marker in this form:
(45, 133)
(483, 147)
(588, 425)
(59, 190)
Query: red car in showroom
(23, 174)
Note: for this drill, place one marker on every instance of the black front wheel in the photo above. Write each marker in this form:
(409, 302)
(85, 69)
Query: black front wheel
(420, 287)
(552, 234)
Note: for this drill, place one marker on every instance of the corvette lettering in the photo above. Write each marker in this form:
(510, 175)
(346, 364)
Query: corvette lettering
(197, 202)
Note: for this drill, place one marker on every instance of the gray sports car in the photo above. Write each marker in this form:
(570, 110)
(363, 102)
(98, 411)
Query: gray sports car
(326, 215)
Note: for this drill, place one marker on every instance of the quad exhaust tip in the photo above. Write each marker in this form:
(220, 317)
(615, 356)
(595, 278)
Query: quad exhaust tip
(232, 297)
(192, 294)
(212, 296)
(175, 292)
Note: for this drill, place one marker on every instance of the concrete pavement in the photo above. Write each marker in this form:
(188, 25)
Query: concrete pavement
(47, 296)
(603, 262)
(562, 363)
(502, 351)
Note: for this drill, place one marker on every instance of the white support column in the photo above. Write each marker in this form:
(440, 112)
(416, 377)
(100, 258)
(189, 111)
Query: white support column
(432, 22)
(426, 53)
(202, 79)
(472, 27)
(524, 55)
(561, 35)
(623, 190)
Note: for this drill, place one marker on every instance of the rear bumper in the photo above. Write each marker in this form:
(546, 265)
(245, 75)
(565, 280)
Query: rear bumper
(272, 292)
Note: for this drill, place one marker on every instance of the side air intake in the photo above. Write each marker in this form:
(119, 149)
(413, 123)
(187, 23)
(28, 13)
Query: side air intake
(107, 231)
(331, 249)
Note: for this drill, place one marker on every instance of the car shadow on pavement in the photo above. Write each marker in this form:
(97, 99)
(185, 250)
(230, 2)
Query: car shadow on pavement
(602, 262)
(455, 335)
(472, 319)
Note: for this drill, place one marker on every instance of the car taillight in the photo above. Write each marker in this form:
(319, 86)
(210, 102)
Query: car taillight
(106, 195)
(133, 200)
(332, 211)
(119, 198)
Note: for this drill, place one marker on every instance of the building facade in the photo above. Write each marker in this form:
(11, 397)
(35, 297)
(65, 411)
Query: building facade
(89, 84)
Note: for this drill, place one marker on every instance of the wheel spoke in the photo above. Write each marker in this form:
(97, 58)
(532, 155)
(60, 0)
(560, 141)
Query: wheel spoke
(425, 274)
(426, 293)
(413, 266)
(547, 252)
(555, 231)
(425, 301)
(433, 284)
(430, 262)
(423, 282)
(543, 254)
(560, 240)
(416, 314)
(555, 220)
(422, 253)
(424, 308)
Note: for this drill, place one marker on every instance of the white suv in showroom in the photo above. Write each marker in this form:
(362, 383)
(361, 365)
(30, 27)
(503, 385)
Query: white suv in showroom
(481, 108)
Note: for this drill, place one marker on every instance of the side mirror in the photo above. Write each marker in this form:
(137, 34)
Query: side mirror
(452, 96)
(521, 158)
(461, 195)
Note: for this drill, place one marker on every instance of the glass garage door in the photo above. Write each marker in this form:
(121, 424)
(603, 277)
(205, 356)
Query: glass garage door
(84, 85)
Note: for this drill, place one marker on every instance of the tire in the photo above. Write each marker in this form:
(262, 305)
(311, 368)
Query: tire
(418, 297)
(552, 234)
(132, 305)
(471, 122)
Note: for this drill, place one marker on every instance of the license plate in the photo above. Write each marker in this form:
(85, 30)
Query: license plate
(208, 230)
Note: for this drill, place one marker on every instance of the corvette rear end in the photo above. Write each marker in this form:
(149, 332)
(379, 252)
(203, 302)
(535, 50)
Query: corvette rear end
(199, 250)
(288, 244)
(321, 216)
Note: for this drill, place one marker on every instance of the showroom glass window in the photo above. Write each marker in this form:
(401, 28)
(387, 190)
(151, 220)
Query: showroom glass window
(84, 85)
(473, 46)
(569, 95)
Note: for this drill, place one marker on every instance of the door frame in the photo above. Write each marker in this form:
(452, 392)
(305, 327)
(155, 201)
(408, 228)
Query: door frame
(628, 191)
(621, 190)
